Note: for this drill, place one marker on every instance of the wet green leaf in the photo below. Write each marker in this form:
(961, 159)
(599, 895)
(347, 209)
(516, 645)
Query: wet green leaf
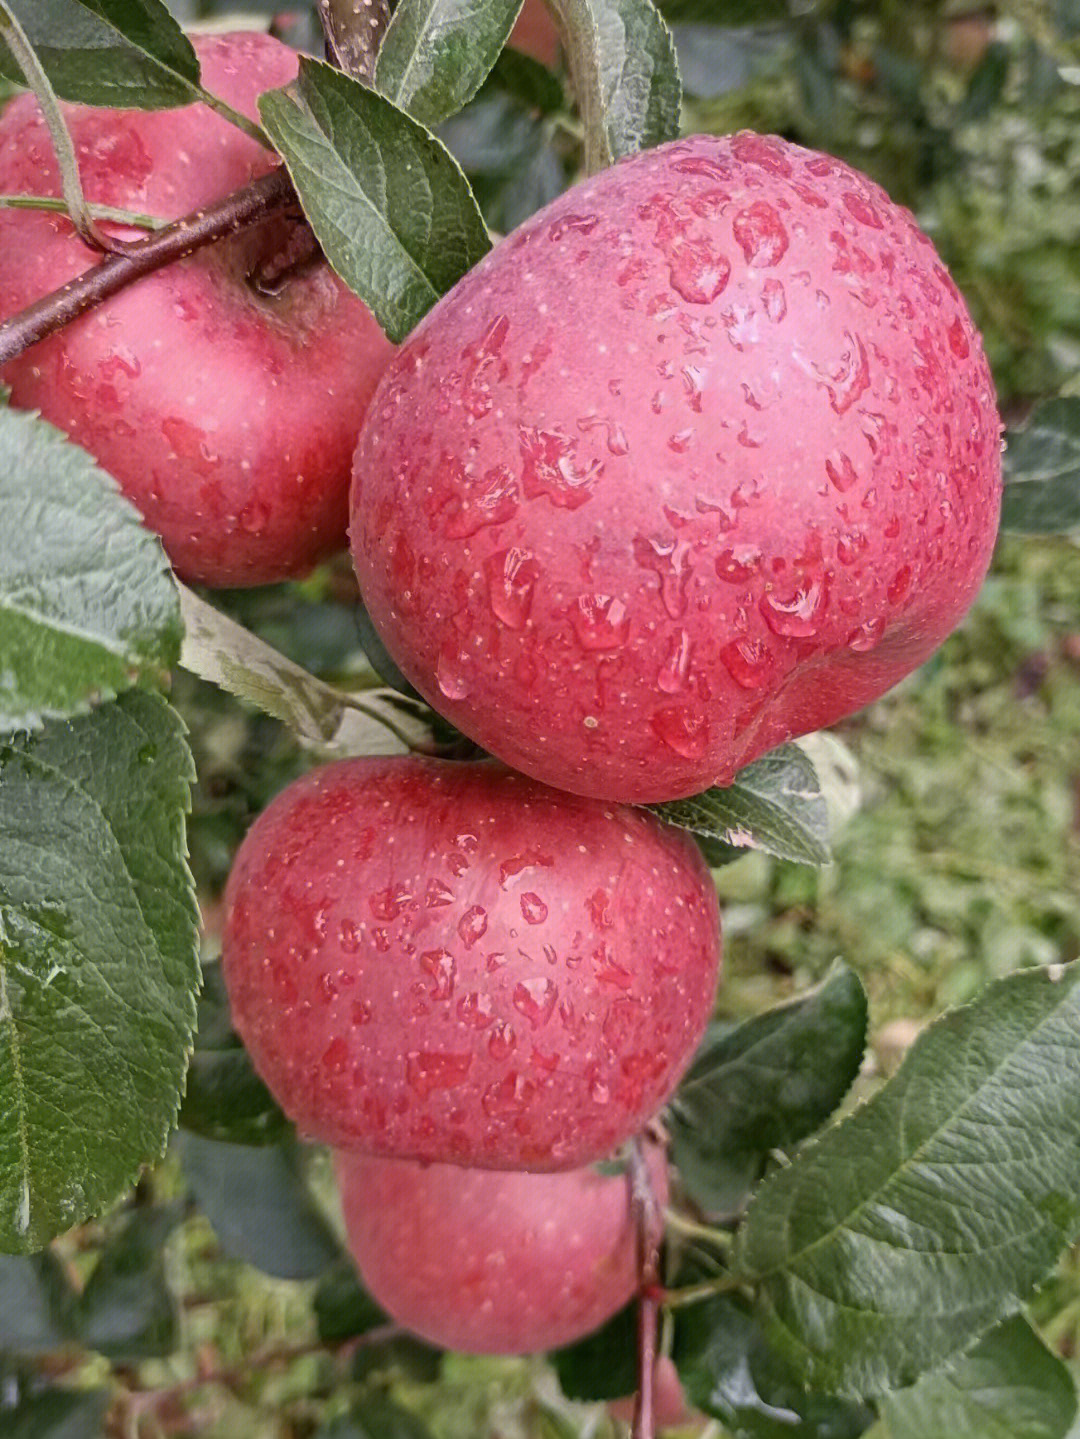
(88, 606)
(775, 805)
(1042, 471)
(766, 1084)
(98, 960)
(128, 54)
(913, 1225)
(436, 54)
(390, 207)
(1007, 1386)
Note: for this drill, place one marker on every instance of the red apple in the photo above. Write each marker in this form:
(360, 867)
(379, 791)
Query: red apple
(493, 1263)
(228, 415)
(446, 961)
(535, 33)
(702, 457)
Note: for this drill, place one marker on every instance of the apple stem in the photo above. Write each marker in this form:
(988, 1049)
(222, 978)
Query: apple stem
(254, 203)
(646, 1212)
(354, 31)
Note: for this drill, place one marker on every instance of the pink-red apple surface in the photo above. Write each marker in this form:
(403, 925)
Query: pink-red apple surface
(448, 961)
(493, 1263)
(535, 33)
(703, 457)
(227, 412)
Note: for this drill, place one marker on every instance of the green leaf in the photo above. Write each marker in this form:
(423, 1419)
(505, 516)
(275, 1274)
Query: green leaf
(375, 1416)
(225, 1098)
(1042, 471)
(624, 74)
(729, 1371)
(767, 1084)
(775, 805)
(218, 649)
(57, 1414)
(343, 1307)
(400, 1354)
(603, 1365)
(259, 1205)
(912, 1226)
(127, 1311)
(98, 960)
(87, 601)
(436, 54)
(1008, 1386)
(531, 84)
(36, 1301)
(345, 1310)
(128, 54)
(388, 202)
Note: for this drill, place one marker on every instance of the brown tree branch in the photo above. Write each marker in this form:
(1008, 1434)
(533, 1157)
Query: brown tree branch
(647, 1220)
(251, 205)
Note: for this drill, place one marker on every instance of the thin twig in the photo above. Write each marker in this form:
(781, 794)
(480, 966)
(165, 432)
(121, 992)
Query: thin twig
(251, 205)
(647, 1215)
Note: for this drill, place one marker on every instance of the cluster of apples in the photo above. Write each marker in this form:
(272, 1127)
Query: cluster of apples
(702, 457)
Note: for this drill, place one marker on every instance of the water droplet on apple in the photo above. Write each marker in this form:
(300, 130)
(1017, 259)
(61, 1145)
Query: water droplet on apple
(509, 1095)
(388, 903)
(349, 936)
(600, 622)
(672, 676)
(550, 470)
(533, 908)
(699, 271)
(841, 471)
(738, 566)
(899, 585)
(502, 1041)
(576, 224)
(439, 963)
(512, 577)
(535, 999)
(867, 636)
(760, 234)
(476, 1010)
(749, 661)
(450, 675)
(438, 895)
(473, 925)
(772, 292)
(683, 730)
(796, 613)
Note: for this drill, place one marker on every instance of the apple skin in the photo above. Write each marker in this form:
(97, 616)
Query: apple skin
(535, 33)
(493, 1263)
(447, 961)
(228, 416)
(701, 458)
